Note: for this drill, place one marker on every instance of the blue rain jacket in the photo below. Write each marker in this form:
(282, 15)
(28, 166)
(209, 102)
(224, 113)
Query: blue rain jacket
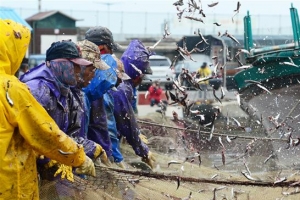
(97, 129)
(109, 108)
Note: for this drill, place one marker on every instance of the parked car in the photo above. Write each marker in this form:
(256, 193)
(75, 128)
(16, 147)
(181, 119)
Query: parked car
(36, 59)
(160, 66)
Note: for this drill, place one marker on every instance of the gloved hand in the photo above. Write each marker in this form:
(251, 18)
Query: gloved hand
(100, 153)
(143, 138)
(66, 172)
(150, 159)
(87, 167)
(51, 163)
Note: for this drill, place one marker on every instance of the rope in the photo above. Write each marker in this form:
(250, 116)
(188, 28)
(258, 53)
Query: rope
(203, 180)
(215, 134)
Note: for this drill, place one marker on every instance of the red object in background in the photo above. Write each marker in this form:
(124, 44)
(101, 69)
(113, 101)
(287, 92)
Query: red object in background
(142, 101)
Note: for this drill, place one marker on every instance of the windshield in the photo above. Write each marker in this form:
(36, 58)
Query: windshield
(159, 62)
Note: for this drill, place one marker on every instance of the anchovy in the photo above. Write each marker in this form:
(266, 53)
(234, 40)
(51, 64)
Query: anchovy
(228, 139)
(166, 31)
(238, 99)
(248, 176)
(288, 63)
(214, 93)
(238, 7)
(174, 61)
(252, 81)
(173, 162)
(136, 69)
(194, 18)
(10, 101)
(265, 89)
(178, 182)
(223, 157)
(280, 180)
(199, 43)
(268, 158)
(178, 3)
(201, 36)
(146, 95)
(65, 153)
(247, 168)
(200, 50)
(217, 24)
(220, 140)
(213, 4)
(153, 46)
(214, 176)
(199, 158)
(222, 93)
(233, 38)
(244, 67)
(211, 133)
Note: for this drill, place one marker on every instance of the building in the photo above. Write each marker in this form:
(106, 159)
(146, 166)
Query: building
(49, 27)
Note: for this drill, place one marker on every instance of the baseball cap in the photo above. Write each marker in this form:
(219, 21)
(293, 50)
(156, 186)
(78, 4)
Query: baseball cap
(120, 68)
(91, 52)
(101, 35)
(66, 49)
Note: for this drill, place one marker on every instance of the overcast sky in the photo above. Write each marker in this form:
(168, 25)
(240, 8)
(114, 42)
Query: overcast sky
(95, 12)
(262, 7)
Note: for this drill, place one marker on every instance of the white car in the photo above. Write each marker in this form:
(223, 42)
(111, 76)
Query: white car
(160, 66)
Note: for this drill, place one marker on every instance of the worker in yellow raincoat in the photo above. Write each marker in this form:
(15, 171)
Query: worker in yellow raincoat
(26, 129)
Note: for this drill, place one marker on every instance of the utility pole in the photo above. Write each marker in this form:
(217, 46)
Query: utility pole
(40, 5)
(108, 4)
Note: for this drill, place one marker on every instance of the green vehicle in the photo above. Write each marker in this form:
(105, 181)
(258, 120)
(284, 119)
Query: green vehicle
(269, 88)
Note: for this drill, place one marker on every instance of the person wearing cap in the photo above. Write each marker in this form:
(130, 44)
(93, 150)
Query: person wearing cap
(50, 84)
(138, 55)
(204, 71)
(102, 37)
(92, 93)
(27, 130)
(109, 108)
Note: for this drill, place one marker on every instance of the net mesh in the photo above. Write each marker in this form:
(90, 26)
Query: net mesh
(191, 165)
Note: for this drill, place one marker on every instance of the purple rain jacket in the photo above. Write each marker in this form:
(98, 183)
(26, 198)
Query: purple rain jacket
(125, 118)
(61, 106)
(127, 126)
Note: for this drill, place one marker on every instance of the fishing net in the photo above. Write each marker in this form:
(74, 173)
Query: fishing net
(195, 160)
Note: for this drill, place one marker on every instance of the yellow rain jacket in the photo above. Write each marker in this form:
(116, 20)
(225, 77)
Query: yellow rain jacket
(204, 72)
(26, 129)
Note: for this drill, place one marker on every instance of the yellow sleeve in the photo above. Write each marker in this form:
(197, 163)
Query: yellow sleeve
(39, 129)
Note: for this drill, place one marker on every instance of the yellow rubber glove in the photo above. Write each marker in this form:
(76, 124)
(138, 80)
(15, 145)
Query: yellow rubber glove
(65, 171)
(51, 163)
(87, 167)
(100, 153)
(150, 159)
(143, 138)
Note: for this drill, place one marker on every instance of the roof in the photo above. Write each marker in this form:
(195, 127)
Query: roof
(43, 15)
(9, 13)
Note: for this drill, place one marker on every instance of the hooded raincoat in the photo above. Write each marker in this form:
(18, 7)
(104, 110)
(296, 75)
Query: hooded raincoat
(127, 126)
(97, 129)
(62, 105)
(26, 129)
(109, 108)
